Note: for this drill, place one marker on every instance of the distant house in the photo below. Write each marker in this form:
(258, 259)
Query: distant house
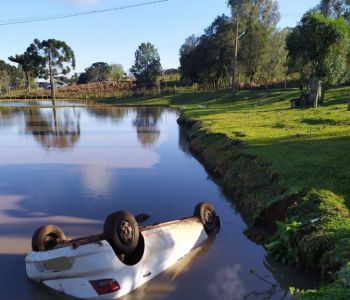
(44, 84)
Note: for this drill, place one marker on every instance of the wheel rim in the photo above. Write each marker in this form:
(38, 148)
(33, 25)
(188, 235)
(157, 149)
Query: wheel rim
(126, 232)
(208, 217)
(51, 241)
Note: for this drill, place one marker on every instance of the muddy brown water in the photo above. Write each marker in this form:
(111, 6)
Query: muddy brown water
(73, 166)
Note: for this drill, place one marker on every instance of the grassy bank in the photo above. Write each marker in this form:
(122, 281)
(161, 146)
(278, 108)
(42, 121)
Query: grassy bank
(309, 147)
(280, 164)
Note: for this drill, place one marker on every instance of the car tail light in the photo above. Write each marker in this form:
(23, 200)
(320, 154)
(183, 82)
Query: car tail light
(105, 286)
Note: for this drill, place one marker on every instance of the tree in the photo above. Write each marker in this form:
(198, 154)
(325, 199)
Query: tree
(218, 41)
(147, 66)
(187, 59)
(4, 75)
(171, 71)
(83, 78)
(17, 77)
(31, 63)
(255, 22)
(320, 47)
(258, 20)
(98, 71)
(10, 76)
(335, 8)
(326, 7)
(275, 65)
(248, 42)
(236, 7)
(58, 59)
(116, 72)
(208, 60)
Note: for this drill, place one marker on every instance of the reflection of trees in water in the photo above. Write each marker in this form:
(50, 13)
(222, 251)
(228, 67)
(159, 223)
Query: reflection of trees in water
(115, 114)
(53, 130)
(183, 141)
(146, 124)
(7, 114)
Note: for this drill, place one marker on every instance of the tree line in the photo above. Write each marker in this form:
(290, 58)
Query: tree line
(209, 58)
(248, 47)
(319, 48)
(244, 47)
(53, 59)
(146, 69)
(10, 76)
(101, 71)
(45, 59)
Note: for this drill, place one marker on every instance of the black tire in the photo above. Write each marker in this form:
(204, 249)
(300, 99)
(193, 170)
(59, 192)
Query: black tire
(122, 232)
(205, 212)
(47, 238)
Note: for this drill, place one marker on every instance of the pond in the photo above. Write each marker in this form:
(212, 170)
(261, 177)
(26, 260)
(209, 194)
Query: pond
(72, 166)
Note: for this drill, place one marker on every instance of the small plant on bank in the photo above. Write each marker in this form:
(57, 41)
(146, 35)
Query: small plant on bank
(281, 245)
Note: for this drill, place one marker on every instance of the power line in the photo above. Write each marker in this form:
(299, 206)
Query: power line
(91, 12)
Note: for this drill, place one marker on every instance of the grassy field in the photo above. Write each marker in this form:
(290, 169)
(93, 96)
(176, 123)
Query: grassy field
(309, 147)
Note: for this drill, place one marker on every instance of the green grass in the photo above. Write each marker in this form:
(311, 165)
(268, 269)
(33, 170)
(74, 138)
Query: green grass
(308, 147)
(331, 292)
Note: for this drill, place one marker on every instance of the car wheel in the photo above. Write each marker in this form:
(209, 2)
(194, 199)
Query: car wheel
(47, 238)
(205, 212)
(121, 231)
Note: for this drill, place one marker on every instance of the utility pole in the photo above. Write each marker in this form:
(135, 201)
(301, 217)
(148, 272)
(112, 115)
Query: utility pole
(166, 83)
(235, 61)
(52, 80)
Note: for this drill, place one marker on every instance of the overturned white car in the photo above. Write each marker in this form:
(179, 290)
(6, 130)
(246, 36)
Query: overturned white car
(122, 258)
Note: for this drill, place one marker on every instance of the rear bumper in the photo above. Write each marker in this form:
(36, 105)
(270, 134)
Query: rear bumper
(88, 261)
(76, 287)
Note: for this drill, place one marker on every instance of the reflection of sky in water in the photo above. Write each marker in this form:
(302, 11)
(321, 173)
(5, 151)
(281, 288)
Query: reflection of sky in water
(97, 179)
(67, 146)
(227, 284)
(119, 139)
(73, 166)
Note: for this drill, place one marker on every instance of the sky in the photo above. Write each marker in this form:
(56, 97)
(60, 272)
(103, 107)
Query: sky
(113, 37)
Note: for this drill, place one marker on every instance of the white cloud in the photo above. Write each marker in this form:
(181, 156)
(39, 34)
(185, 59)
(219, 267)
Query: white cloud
(97, 179)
